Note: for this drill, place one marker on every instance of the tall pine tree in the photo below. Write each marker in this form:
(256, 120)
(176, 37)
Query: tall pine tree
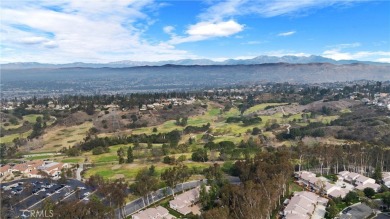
(130, 156)
(121, 155)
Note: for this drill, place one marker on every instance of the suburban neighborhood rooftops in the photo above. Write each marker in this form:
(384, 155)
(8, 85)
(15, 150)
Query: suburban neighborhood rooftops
(304, 204)
(153, 213)
(374, 186)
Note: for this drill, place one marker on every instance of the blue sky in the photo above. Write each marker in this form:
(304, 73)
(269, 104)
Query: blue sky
(64, 31)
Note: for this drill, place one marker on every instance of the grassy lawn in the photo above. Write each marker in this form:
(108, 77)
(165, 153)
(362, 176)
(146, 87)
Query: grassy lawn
(295, 116)
(346, 110)
(129, 171)
(214, 112)
(326, 119)
(232, 138)
(106, 158)
(198, 121)
(231, 112)
(10, 138)
(41, 157)
(56, 139)
(170, 125)
(32, 118)
(210, 116)
(293, 187)
(72, 160)
(340, 206)
(167, 126)
(12, 126)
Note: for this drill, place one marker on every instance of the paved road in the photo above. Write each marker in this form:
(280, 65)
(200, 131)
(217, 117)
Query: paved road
(78, 172)
(382, 216)
(154, 197)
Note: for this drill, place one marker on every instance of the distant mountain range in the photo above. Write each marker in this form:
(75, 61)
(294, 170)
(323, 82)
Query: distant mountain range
(188, 62)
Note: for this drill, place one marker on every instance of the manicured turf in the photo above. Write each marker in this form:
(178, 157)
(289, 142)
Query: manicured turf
(129, 171)
(167, 126)
(214, 111)
(293, 187)
(10, 138)
(106, 158)
(12, 126)
(326, 119)
(41, 157)
(72, 160)
(32, 118)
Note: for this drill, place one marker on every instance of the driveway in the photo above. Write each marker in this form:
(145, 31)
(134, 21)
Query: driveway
(357, 211)
(345, 185)
(382, 216)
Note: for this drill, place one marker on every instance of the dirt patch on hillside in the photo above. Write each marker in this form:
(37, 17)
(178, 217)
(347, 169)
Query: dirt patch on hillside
(115, 167)
(76, 118)
(119, 176)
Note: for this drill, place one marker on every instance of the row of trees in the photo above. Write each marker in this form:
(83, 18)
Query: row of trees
(114, 191)
(330, 159)
(121, 155)
(264, 182)
(246, 121)
(147, 180)
(91, 142)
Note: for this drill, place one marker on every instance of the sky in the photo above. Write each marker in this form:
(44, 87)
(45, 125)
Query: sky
(100, 31)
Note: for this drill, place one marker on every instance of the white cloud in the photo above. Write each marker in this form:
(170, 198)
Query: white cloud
(223, 10)
(206, 30)
(33, 40)
(367, 55)
(268, 8)
(345, 45)
(76, 30)
(110, 30)
(383, 60)
(219, 12)
(218, 29)
(254, 42)
(244, 57)
(168, 29)
(280, 53)
(50, 44)
(338, 52)
(221, 59)
(289, 33)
